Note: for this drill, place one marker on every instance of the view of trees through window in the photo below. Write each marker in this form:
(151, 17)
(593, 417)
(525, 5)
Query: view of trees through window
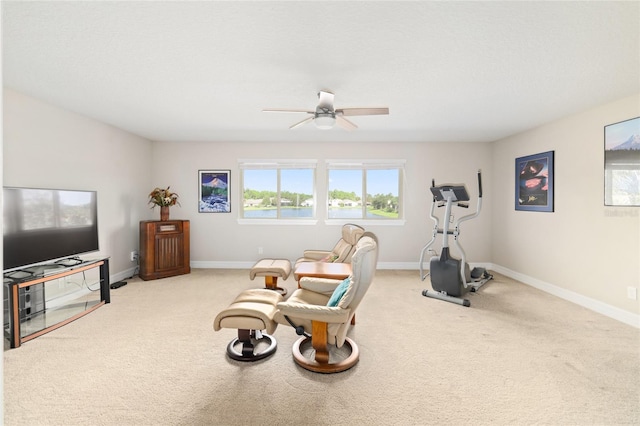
(346, 187)
(294, 199)
(289, 193)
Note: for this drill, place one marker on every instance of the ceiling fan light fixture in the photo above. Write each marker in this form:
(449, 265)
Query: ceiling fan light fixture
(325, 116)
(324, 121)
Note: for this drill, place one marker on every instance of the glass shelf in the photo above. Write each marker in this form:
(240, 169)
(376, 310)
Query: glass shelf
(39, 301)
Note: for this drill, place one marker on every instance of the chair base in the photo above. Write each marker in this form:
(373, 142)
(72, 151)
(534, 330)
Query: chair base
(250, 340)
(306, 362)
(271, 283)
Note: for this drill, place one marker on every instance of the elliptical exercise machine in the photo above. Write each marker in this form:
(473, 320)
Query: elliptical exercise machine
(450, 277)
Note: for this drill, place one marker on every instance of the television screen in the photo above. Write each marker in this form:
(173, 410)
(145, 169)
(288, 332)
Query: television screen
(42, 225)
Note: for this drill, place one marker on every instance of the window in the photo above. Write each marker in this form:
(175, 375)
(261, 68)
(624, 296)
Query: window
(278, 190)
(364, 190)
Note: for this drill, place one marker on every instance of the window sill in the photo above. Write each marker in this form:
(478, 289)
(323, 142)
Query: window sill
(337, 222)
(277, 222)
(366, 222)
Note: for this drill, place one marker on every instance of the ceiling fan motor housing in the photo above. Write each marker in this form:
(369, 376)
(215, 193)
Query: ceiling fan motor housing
(324, 120)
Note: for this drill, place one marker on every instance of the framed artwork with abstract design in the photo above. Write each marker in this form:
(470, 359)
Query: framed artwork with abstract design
(534, 182)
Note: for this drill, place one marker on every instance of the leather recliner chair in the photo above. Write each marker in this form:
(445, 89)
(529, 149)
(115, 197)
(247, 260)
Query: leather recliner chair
(343, 250)
(322, 311)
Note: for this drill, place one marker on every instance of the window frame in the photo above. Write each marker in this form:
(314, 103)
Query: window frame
(278, 166)
(364, 166)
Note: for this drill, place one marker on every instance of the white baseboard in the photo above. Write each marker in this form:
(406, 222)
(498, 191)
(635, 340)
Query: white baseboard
(248, 265)
(204, 264)
(587, 302)
(618, 314)
(123, 275)
(398, 265)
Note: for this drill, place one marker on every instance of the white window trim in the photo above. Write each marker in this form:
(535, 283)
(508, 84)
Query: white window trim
(262, 164)
(368, 164)
(366, 222)
(365, 164)
(276, 222)
(277, 164)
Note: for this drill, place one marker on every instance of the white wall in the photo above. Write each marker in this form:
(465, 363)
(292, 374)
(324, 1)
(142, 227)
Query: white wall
(218, 240)
(45, 146)
(583, 249)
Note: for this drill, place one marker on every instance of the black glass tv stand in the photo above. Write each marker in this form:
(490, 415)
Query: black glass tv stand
(40, 299)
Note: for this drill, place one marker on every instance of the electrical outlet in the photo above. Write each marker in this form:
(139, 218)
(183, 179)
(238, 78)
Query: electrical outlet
(260, 250)
(134, 256)
(632, 293)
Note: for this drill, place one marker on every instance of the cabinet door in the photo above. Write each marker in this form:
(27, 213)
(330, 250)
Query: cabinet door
(169, 249)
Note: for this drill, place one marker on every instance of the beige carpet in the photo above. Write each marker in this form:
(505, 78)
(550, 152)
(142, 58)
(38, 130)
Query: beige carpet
(517, 356)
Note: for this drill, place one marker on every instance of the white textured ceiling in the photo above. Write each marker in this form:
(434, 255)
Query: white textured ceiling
(203, 71)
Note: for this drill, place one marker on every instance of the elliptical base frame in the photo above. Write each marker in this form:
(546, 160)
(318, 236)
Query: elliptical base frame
(475, 286)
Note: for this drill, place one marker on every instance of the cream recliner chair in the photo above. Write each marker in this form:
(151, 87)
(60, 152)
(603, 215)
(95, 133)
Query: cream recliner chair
(343, 250)
(323, 326)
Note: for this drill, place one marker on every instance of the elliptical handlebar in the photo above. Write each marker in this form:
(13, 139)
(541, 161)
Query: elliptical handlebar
(436, 222)
(433, 185)
(479, 207)
(433, 206)
(457, 227)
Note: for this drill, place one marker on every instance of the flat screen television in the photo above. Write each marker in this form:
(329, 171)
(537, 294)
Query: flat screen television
(47, 225)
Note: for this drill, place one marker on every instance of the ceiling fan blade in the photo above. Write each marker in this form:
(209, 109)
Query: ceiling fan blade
(363, 111)
(287, 110)
(345, 124)
(325, 115)
(300, 123)
(325, 99)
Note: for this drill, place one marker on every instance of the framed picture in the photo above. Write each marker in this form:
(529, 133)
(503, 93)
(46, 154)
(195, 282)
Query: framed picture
(534, 182)
(622, 163)
(213, 192)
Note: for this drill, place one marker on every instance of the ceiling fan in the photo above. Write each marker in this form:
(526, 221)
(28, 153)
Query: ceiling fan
(326, 116)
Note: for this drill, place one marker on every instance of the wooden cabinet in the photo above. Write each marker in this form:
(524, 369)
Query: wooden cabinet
(164, 248)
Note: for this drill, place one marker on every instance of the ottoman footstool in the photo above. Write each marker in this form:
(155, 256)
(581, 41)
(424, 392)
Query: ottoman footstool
(251, 312)
(271, 270)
